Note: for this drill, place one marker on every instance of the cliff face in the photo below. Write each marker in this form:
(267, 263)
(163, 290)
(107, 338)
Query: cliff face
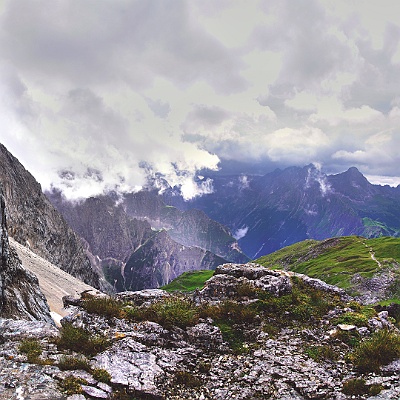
(20, 295)
(34, 222)
(161, 259)
(190, 228)
(131, 254)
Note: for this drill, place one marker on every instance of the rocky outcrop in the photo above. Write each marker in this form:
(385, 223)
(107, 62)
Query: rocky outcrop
(34, 222)
(20, 295)
(248, 343)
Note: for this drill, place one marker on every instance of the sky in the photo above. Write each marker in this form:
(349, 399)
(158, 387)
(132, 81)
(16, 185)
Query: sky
(100, 95)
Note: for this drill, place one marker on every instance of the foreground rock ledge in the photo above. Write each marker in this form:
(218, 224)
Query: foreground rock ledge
(263, 356)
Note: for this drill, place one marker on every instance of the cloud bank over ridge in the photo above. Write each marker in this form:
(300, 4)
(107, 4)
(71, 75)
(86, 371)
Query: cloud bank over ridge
(103, 95)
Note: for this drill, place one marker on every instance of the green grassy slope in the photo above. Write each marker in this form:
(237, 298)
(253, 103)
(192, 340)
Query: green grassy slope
(189, 281)
(336, 260)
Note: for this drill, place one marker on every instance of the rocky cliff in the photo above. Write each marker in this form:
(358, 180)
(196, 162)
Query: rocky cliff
(190, 228)
(20, 295)
(132, 254)
(34, 222)
(161, 259)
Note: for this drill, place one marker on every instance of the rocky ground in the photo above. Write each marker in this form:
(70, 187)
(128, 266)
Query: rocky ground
(249, 333)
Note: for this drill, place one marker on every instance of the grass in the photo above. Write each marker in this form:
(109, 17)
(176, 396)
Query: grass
(68, 363)
(105, 306)
(169, 312)
(189, 281)
(381, 349)
(336, 260)
(72, 385)
(81, 340)
(32, 348)
(320, 353)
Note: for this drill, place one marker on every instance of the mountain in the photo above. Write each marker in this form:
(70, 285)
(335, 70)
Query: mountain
(34, 222)
(366, 268)
(283, 207)
(161, 259)
(190, 228)
(132, 253)
(20, 295)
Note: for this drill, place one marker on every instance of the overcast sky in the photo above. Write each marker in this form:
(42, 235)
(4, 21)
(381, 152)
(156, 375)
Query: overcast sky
(97, 95)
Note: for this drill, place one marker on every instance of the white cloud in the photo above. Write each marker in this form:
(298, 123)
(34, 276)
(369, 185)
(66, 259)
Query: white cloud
(241, 233)
(177, 86)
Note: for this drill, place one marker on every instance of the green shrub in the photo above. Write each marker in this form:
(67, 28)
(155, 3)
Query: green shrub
(381, 349)
(32, 348)
(234, 337)
(72, 363)
(358, 318)
(104, 306)
(171, 312)
(355, 387)
(375, 389)
(81, 340)
(101, 375)
(72, 385)
(246, 290)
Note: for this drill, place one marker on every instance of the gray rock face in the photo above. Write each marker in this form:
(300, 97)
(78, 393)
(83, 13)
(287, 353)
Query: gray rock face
(190, 228)
(20, 295)
(228, 278)
(161, 259)
(34, 222)
(131, 253)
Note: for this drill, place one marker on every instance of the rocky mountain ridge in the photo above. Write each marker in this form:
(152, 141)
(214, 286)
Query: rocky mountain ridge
(34, 222)
(368, 269)
(287, 206)
(139, 242)
(249, 333)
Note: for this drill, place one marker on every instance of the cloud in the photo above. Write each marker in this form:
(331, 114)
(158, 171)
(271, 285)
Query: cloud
(112, 94)
(241, 233)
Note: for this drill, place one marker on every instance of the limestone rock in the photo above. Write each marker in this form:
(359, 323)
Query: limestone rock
(20, 295)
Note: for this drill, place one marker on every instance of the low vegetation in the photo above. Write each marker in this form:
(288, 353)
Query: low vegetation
(189, 281)
(337, 260)
(72, 385)
(381, 349)
(32, 349)
(81, 340)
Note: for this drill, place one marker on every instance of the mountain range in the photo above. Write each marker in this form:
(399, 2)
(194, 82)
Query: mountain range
(266, 213)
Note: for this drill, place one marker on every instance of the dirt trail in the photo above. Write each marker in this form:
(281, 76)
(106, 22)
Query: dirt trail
(54, 282)
(372, 253)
